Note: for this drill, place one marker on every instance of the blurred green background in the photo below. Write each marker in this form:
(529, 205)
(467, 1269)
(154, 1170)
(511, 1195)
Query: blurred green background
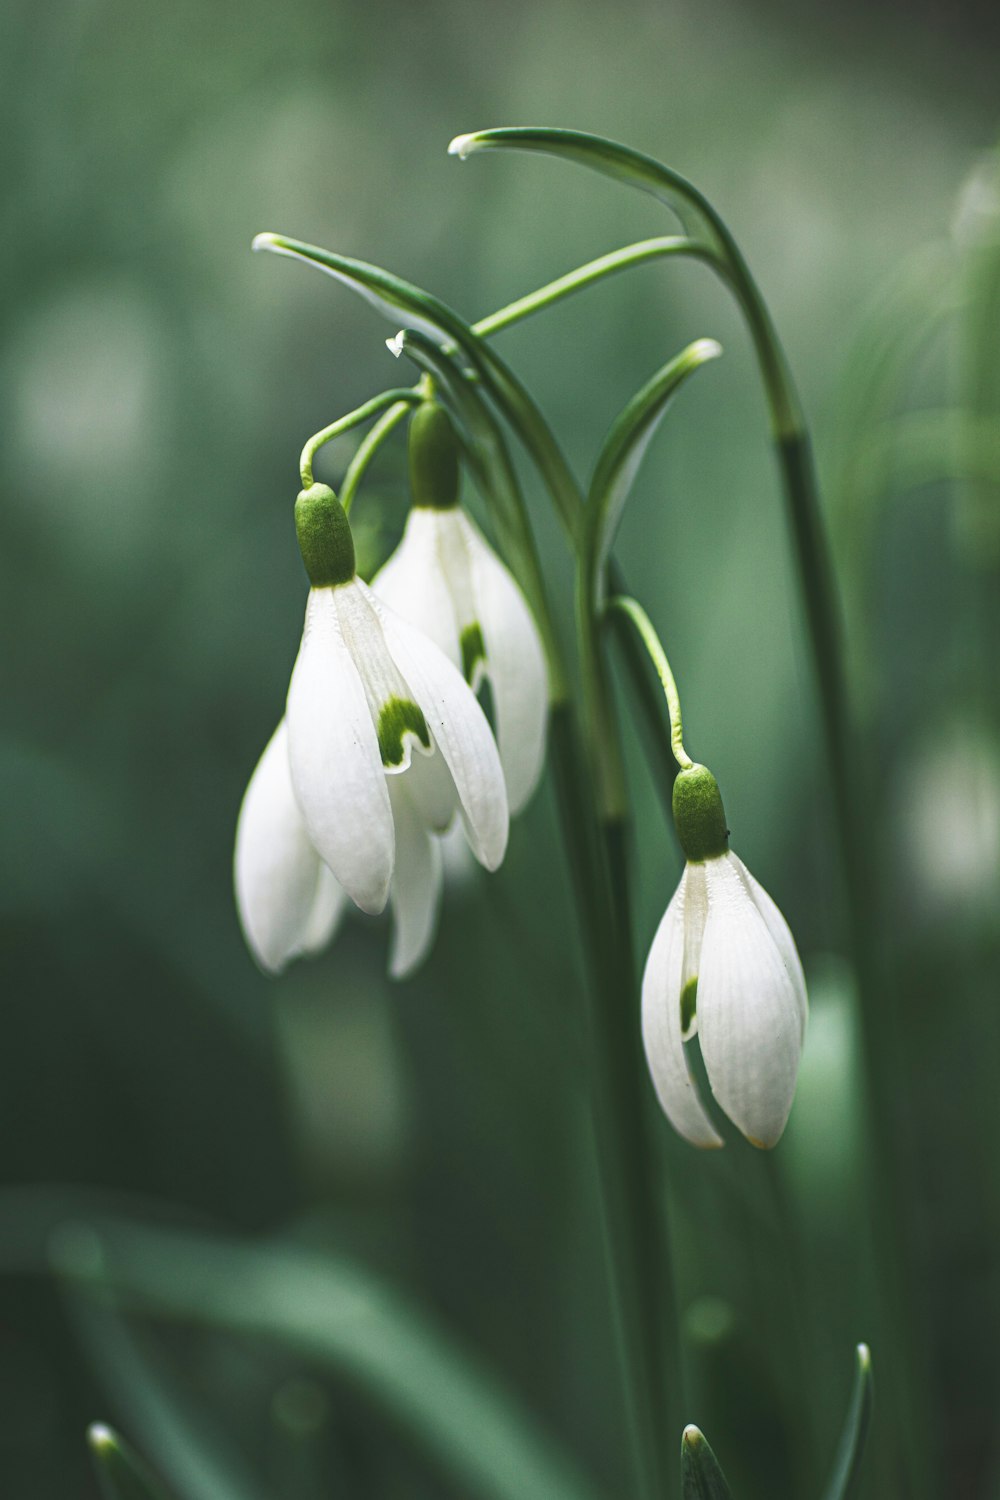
(158, 382)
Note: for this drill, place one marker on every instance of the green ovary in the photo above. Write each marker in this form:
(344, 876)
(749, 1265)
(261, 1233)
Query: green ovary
(398, 717)
(473, 649)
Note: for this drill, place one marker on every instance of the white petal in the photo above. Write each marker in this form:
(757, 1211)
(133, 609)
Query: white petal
(335, 762)
(276, 869)
(414, 584)
(515, 665)
(329, 905)
(415, 896)
(781, 932)
(661, 1029)
(461, 732)
(748, 1010)
(431, 789)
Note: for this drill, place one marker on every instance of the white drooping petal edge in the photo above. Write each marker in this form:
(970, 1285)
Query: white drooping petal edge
(515, 665)
(328, 908)
(460, 731)
(415, 893)
(750, 1006)
(287, 900)
(661, 1028)
(414, 583)
(780, 931)
(334, 756)
(444, 578)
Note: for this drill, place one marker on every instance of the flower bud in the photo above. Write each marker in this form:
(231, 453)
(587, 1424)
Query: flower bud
(325, 539)
(433, 458)
(699, 816)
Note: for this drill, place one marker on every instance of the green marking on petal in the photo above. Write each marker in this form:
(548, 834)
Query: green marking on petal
(473, 649)
(689, 1005)
(398, 717)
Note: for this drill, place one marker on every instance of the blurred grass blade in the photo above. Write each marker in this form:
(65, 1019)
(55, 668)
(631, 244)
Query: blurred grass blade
(333, 1312)
(625, 447)
(183, 1440)
(701, 1477)
(122, 1473)
(846, 1476)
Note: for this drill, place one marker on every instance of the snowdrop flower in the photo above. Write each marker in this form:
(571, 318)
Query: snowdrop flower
(382, 742)
(445, 579)
(723, 964)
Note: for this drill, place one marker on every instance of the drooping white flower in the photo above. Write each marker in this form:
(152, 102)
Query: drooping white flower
(382, 742)
(723, 964)
(446, 580)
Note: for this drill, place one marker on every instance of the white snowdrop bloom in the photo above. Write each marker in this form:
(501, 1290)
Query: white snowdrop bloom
(383, 740)
(289, 903)
(723, 964)
(445, 579)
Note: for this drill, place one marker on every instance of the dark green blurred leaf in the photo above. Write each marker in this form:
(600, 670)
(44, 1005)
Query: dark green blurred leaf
(334, 1311)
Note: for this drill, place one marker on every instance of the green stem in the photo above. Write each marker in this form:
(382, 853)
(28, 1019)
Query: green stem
(633, 611)
(367, 449)
(637, 1250)
(344, 424)
(586, 275)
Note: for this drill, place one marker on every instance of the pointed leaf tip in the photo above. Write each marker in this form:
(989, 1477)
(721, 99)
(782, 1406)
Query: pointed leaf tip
(845, 1479)
(397, 343)
(122, 1473)
(461, 146)
(701, 1476)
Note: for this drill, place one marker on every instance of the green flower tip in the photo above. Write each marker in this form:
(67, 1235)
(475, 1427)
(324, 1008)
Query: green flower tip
(434, 468)
(699, 816)
(325, 539)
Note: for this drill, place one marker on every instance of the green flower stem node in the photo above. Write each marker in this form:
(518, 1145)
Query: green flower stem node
(434, 470)
(325, 539)
(699, 816)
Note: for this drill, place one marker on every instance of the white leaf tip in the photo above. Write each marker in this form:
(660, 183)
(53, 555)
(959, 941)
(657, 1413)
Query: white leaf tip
(461, 146)
(396, 343)
(265, 241)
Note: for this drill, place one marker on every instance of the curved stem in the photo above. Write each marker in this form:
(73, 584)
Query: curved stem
(367, 449)
(344, 424)
(587, 275)
(633, 611)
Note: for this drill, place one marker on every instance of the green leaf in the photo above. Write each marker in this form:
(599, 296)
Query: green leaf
(709, 237)
(122, 1473)
(611, 159)
(402, 302)
(624, 449)
(335, 1313)
(846, 1476)
(701, 1476)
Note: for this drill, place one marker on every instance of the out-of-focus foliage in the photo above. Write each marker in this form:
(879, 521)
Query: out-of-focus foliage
(158, 383)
